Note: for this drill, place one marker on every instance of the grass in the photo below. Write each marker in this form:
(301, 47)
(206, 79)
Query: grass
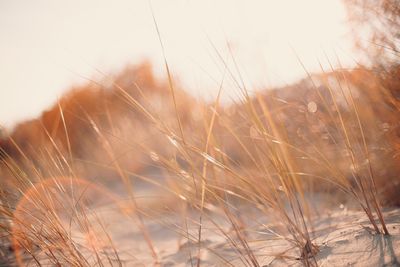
(270, 155)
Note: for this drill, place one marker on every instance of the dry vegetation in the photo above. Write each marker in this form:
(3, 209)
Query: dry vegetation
(132, 171)
(147, 152)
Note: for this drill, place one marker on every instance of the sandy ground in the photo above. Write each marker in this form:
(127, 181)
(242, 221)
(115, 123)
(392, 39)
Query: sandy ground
(344, 237)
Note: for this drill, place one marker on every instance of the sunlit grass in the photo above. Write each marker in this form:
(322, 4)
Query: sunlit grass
(251, 155)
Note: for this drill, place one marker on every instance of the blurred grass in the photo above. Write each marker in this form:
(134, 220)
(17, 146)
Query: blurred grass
(335, 133)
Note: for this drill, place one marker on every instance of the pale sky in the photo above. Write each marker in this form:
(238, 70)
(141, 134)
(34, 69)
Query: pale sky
(46, 46)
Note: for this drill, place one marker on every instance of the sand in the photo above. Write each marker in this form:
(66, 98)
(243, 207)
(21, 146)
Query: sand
(342, 234)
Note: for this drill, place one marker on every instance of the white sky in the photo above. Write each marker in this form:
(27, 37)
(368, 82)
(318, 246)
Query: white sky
(46, 46)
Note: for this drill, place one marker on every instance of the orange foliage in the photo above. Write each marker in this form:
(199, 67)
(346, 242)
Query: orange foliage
(305, 111)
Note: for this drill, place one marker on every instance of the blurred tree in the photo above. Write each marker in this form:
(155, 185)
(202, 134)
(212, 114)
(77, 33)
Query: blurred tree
(376, 29)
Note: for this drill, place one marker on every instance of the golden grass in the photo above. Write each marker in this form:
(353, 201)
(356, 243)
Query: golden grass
(271, 152)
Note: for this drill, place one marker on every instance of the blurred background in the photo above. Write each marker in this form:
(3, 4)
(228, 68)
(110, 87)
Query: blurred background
(46, 46)
(81, 78)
